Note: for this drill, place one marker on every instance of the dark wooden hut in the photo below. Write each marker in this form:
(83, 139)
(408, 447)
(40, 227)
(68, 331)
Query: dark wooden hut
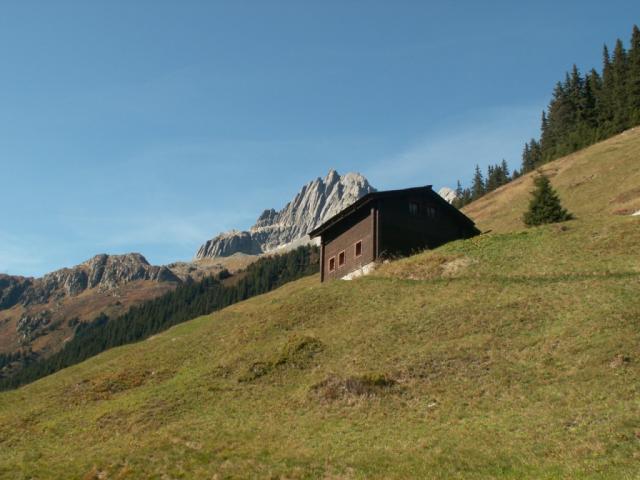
(387, 224)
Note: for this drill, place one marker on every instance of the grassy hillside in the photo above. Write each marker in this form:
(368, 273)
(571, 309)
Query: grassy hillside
(512, 355)
(598, 181)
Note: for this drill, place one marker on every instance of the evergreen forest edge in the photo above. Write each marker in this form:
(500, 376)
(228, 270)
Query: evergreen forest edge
(584, 109)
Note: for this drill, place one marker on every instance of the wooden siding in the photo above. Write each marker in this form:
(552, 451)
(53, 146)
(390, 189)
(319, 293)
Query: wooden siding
(344, 238)
(403, 232)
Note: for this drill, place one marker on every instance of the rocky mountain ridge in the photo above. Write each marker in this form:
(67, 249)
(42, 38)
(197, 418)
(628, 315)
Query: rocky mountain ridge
(103, 272)
(32, 308)
(317, 201)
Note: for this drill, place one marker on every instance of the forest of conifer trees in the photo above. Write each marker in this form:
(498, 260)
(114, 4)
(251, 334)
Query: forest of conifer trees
(584, 109)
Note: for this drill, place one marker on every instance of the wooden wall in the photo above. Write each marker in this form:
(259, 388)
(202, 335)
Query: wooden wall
(344, 238)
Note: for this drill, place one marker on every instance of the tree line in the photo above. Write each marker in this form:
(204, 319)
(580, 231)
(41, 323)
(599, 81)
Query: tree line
(9, 358)
(584, 109)
(187, 301)
(497, 175)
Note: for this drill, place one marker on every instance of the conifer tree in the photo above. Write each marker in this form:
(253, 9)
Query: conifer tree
(536, 153)
(504, 172)
(466, 196)
(605, 112)
(575, 94)
(619, 67)
(491, 180)
(560, 118)
(633, 84)
(544, 125)
(544, 206)
(497, 175)
(526, 165)
(592, 90)
(459, 189)
(477, 185)
(458, 201)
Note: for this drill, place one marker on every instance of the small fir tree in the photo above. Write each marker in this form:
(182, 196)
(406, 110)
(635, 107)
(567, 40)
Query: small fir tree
(491, 182)
(477, 185)
(545, 206)
(505, 175)
(459, 190)
(457, 202)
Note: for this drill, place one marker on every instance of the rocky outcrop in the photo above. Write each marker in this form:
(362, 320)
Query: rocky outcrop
(12, 289)
(228, 243)
(448, 194)
(316, 202)
(104, 272)
(31, 326)
(111, 271)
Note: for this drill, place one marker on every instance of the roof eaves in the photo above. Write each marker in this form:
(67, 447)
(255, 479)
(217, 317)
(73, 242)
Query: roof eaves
(359, 203)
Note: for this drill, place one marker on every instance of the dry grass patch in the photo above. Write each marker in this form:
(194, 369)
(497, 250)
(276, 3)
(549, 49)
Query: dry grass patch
(106, 386)
(297, 352)
(429, 266)
(335, 387)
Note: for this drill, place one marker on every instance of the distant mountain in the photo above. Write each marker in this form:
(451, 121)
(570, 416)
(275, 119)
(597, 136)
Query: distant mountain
(448, 194)
(316, 202)
(37, 315)
(103, 272)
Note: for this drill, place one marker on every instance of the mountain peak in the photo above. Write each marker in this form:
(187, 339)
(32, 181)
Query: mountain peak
(448, 194)
(332, 177)
(316, 201)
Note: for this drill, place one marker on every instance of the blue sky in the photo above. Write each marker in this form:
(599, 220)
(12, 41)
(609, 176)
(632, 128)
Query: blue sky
(151, 126)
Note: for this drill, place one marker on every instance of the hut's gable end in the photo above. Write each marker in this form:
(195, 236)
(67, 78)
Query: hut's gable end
(350, 244)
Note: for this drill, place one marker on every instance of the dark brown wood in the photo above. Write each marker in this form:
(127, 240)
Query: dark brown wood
(322, 260)
(343, 238)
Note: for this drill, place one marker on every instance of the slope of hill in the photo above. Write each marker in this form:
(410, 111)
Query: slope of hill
(510, 355)
(601, 180)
